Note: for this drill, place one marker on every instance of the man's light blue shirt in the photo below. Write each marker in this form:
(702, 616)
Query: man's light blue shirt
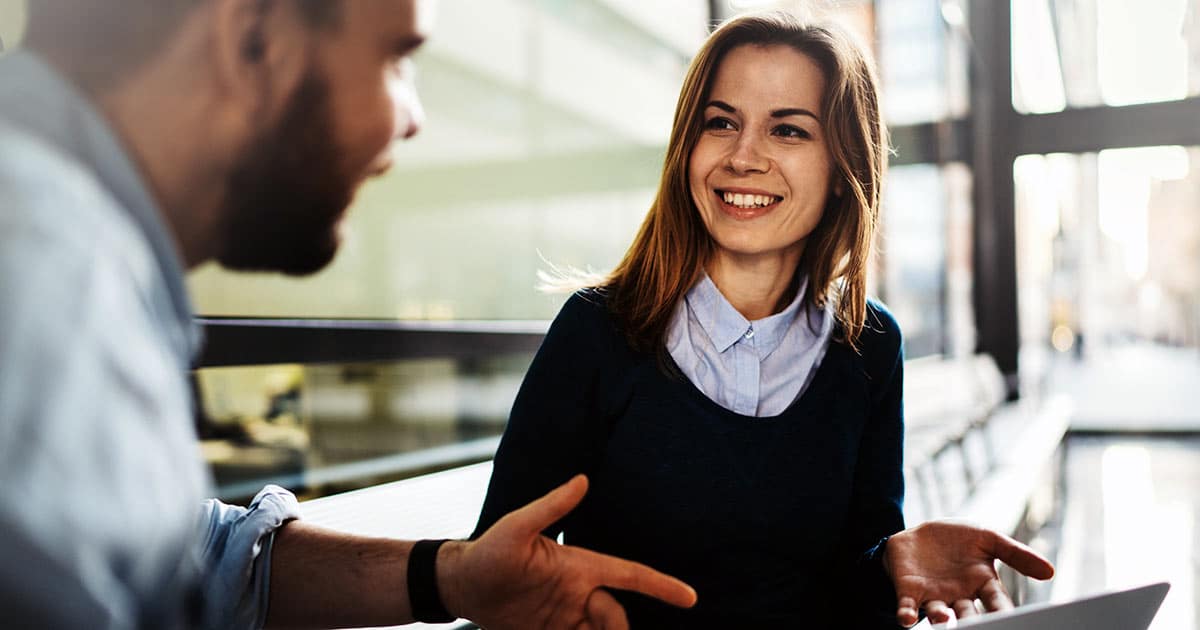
(103, 521)
(754, 368)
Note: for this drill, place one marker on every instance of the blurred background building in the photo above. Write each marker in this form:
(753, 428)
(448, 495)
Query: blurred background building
(1042, 209)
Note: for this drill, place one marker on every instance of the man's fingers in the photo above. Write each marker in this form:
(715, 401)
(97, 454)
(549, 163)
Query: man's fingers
(964, 608)
(994, 597)
(1021, 557)
(906, 611)
(549, 509)
(632, 576)
(939, 612)
(604, 613)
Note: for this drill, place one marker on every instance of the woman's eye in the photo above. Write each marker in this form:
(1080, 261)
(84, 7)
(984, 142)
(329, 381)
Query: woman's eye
(718, 124)
(790, 131)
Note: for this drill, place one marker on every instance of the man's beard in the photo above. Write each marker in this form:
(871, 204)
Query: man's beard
(286, 195)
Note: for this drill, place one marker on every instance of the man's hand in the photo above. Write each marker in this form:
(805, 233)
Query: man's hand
(513, 577)
(944, 567)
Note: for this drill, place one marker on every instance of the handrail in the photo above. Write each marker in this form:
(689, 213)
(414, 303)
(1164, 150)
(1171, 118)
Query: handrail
(233, 341)
(395, 465)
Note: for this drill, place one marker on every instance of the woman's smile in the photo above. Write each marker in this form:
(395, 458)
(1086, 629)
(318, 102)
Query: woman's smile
(760, 170)
(744, 203)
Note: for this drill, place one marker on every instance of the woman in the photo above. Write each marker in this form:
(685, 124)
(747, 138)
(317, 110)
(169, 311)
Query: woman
(731, 392)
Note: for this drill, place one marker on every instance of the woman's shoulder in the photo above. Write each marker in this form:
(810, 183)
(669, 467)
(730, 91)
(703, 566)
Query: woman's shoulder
(588, 306)
(880, 320)
(881, 332)
(587, 330)
(586, 311)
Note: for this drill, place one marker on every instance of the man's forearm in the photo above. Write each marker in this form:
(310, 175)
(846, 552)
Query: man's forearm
(326, 579)
(511, 577)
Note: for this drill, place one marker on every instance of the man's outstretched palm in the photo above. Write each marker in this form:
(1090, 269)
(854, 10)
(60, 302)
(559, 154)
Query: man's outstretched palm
(945, 566)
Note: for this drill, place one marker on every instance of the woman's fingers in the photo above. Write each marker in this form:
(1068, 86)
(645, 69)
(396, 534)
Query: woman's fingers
(1020, 556)
(993, 596)
(906, 611)
(939, 612)
(964, 608)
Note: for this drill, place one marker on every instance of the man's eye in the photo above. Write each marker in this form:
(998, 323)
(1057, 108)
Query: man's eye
(791, 131)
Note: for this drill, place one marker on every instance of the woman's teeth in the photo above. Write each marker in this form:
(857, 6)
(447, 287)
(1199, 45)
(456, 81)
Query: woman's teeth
(749, 201)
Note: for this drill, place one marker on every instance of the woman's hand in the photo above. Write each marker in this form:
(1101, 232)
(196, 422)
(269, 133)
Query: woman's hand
(944, 566)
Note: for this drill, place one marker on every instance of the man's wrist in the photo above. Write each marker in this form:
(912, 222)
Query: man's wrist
(424, 593)
(450, 577)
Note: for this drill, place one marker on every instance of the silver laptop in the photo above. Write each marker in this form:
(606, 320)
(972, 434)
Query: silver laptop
(1131, 609)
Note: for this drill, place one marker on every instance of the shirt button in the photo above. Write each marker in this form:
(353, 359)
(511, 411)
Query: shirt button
(749, 334)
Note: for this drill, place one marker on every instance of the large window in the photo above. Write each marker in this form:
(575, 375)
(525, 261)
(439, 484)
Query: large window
(12, 22)
(546, 127)
(1084, 53)
(925, 254)
(922, 60)
(1109, 248)
(547, 123)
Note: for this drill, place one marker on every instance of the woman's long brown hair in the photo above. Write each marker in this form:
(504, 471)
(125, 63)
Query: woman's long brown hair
(672, 246)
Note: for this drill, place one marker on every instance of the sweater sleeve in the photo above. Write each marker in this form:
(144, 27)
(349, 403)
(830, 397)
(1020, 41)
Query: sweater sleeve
(877, 501)
(555, 429)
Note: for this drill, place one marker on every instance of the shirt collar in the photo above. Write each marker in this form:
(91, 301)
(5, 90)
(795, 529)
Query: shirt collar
(45, 104)
(770, 331)
(725, 326)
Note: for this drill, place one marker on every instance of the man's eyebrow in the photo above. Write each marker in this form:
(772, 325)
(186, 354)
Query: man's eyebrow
(408, 43)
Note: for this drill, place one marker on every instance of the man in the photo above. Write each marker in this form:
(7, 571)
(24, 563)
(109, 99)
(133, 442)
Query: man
(140, 138)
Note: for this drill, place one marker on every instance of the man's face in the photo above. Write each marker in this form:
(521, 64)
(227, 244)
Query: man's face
(288, 193)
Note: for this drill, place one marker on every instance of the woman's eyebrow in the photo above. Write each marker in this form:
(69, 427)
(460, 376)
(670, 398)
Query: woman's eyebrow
(723, 106)
(776, 113)
(793, 111)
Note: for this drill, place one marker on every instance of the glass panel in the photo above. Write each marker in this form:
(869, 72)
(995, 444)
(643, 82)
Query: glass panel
(1108, 252)
(544, 141)
(1037, 82)
(1082, 53)
(12, 23)
(922, 60)
(925, 253)
(321, 429)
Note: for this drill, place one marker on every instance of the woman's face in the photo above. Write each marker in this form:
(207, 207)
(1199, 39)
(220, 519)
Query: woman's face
(760, 172)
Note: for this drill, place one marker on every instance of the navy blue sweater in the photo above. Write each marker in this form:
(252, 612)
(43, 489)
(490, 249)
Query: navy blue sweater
(774, 521)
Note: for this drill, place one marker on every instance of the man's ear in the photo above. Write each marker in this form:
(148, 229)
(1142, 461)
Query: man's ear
(258, 51)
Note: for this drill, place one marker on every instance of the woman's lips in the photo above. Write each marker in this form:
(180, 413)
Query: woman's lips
(746, 204)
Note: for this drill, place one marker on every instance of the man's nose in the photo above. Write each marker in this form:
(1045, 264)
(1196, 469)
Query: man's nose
(409, 113)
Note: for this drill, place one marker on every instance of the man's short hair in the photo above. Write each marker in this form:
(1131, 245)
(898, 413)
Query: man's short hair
(105, 40)
(321, 13)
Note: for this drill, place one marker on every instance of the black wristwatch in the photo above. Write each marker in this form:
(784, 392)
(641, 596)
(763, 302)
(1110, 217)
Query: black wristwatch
(423, 595)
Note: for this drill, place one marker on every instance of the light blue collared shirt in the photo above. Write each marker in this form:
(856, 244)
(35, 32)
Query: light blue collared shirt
(103, 522)
(755, 368)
